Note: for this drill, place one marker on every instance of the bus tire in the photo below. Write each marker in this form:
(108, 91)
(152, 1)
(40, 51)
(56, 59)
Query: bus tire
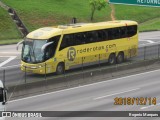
(60, 69)
(112, 59)
(120, 57)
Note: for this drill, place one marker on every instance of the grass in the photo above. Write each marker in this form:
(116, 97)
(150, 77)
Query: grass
(40, 13)
(150, 25)
(8, 29)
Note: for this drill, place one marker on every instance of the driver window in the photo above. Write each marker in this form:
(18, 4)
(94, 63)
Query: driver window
(51, 49)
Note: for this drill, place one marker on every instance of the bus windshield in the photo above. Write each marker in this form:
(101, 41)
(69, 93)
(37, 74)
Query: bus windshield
(31, 51)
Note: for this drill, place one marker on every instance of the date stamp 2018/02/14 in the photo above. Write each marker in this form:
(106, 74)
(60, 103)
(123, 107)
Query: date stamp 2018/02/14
(135, 101)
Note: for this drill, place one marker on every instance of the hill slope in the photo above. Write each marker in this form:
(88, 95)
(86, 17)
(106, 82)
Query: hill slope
(40, 13)
(8, 29)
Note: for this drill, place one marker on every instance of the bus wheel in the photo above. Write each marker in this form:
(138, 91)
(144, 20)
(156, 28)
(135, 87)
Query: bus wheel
(60, 69)
(120, 57)
(112, 59)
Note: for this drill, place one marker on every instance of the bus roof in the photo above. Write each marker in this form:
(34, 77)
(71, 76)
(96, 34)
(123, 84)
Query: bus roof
(48, 32)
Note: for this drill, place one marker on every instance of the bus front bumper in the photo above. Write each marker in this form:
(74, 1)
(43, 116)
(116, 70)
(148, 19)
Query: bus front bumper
(37, 69)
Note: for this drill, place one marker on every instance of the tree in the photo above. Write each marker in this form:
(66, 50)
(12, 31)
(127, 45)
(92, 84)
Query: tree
(96, 5)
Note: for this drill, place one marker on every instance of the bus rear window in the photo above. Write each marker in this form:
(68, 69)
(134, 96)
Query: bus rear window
(131, 30)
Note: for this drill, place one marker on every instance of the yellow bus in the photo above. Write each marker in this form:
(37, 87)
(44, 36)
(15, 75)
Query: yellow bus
(56, 49)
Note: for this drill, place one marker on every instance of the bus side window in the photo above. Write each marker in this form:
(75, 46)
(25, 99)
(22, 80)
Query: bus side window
(91, 37)
(131, 30)
(110, 34)
(79, 38)
(70, 40)
(102, 35)
(63, 43)
(116, 33)
(123, 32)
(50, 51)
(67, 41)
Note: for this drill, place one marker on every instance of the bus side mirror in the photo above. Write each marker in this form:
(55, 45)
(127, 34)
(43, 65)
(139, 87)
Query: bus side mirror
(19, 44)
(45, 46)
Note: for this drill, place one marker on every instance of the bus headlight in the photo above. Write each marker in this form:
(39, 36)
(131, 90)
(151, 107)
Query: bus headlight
(33, 67)
(40, 66)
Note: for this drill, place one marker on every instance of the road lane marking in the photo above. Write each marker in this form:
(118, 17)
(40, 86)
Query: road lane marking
(11, 66)
(10, 52)
(8, 56)
(8, 60)
(101, 97)
(149, 41)
(112, 80)
(149, 106)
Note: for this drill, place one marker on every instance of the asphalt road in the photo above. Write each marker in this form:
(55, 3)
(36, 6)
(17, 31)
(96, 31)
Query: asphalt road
(96, 97)
(10, 58)
(149, 37)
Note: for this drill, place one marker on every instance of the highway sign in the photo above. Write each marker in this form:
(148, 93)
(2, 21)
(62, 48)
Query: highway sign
(152, 3)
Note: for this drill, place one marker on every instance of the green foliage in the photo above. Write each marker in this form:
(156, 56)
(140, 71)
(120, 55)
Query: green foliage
(96, 5)
(153, 24)
(42, 13)
(7, 27)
